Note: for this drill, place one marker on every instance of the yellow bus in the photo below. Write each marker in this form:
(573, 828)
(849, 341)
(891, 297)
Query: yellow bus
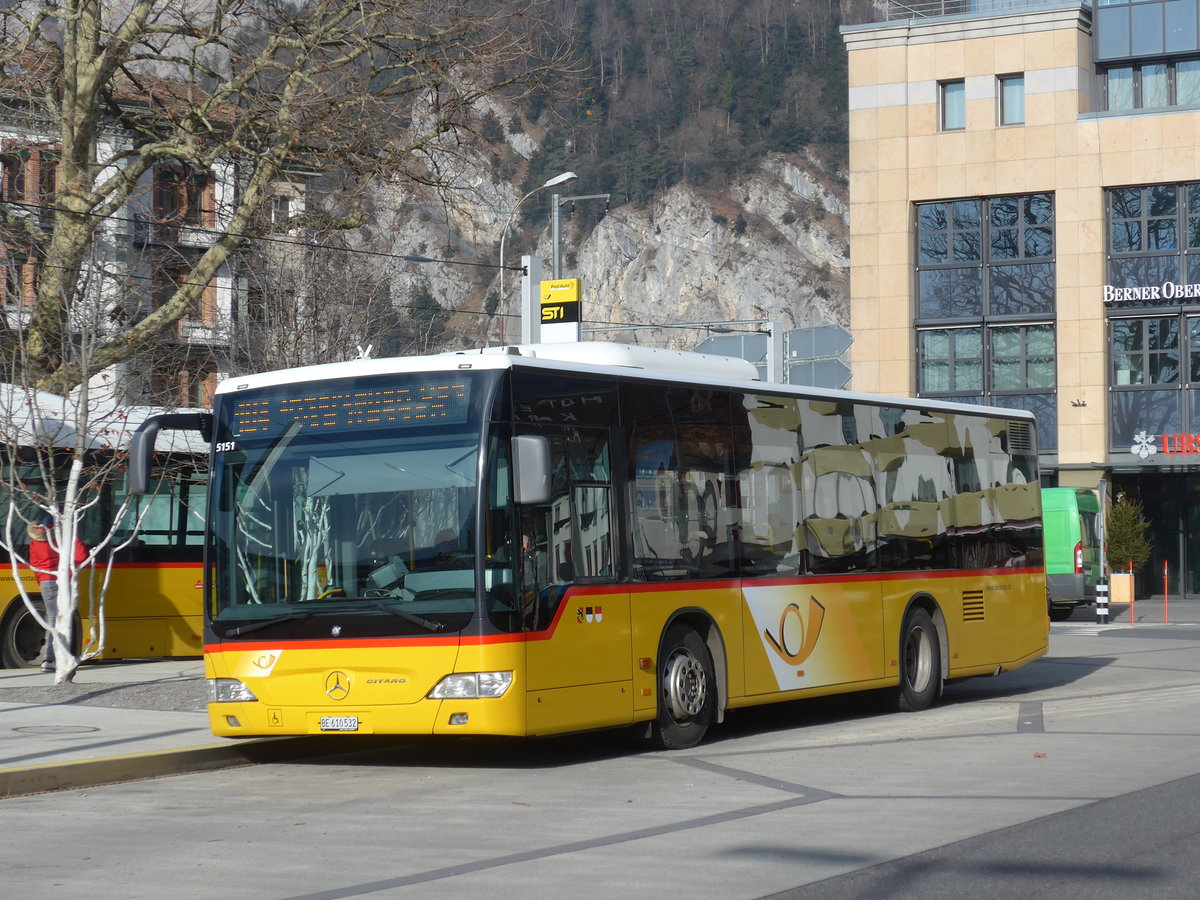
(551, 538)
(153, 605)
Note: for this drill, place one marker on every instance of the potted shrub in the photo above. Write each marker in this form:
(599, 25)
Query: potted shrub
(1128, 547)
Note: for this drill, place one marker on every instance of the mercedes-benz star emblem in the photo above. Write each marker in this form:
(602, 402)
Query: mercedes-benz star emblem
(337, 685)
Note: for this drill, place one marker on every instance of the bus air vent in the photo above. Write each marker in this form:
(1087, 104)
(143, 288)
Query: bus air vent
(972, 606)
(1020, 437)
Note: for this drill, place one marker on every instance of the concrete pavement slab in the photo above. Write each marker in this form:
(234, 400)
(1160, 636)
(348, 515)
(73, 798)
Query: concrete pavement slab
(133, 719)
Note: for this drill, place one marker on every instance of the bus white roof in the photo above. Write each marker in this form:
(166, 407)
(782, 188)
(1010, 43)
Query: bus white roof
(29, 416)
(597, 357)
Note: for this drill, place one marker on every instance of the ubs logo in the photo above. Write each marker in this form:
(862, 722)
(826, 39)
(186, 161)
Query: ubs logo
(337, 685)
(796, 639)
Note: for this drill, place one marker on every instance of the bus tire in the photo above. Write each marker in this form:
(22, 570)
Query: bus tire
(687, 690)
(920, 662)
(22, 639)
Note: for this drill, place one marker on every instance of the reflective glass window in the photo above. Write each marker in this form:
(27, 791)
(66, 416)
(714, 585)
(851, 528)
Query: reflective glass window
(1146, 34)
(1119, 88)
(1179, 25)
(1187, 82)
(1155, 412)
(1112, 33)
(954, 105)
(1021, 289)
(1155, 90)
(945, 293)
(1012, 99)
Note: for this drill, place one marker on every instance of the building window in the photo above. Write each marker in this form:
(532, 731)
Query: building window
(14, 164)
(1022, 358)
(1126, 28)
(985, 295)
(953, 102)
(1153, 246)
(182, 197)
(990, 257)
(1012, 99)
(30, 175)
(1153, 303)
(281, 209)
(951, 360)
(47, 198)
(1155, 377)
(200, 382)
(1152, 85)
(21, 276)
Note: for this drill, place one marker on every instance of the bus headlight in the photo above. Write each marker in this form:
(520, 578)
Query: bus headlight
(471, 685)
(228, 690)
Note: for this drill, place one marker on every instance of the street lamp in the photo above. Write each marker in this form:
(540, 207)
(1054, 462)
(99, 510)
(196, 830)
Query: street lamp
(557, 179)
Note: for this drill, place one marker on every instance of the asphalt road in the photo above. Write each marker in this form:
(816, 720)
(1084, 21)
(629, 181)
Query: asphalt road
(1075, 776)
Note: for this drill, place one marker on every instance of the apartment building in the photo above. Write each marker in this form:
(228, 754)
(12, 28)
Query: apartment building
(1025, 232)
(140, 254)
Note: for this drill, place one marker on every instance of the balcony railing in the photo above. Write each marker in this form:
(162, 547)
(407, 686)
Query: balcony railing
(147, 231)
(929, 9)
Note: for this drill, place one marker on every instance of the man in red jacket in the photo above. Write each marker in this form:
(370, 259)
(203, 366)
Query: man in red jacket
(43, 559)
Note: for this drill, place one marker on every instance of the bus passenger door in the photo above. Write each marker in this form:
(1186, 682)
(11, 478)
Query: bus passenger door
(577, 620)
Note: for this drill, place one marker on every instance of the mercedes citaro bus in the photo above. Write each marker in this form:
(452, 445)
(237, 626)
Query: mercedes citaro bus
(549, 538)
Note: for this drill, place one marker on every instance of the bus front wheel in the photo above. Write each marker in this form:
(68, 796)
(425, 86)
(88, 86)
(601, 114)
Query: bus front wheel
(21, 638)
(920, 662)
(687, 699)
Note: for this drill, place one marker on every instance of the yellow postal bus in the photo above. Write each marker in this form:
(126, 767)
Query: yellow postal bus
(549, 538)
(153, 604)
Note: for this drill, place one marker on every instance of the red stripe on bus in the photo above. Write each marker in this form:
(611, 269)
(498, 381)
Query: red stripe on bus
(583, 592)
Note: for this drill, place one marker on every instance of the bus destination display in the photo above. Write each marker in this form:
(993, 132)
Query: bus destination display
(346, 408)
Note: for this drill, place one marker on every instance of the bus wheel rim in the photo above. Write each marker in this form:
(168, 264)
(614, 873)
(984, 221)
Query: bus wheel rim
(918, 661)
(685, 686)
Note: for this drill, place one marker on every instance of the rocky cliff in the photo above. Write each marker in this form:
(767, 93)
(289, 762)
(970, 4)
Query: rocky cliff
(774, 246)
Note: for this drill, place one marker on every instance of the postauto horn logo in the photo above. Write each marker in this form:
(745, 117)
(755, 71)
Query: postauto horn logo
(795, 641)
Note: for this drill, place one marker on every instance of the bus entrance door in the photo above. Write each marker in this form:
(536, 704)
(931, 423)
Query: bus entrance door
(578, 627)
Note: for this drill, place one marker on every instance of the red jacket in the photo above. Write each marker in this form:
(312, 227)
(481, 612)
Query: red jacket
(43, 556)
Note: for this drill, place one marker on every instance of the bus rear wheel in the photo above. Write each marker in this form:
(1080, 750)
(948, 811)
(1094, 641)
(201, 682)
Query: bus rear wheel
(920, 662)
(687, 699)
(21, 638)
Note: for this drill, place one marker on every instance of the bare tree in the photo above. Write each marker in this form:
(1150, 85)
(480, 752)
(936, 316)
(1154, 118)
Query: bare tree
(319, 301)
(58, 458)
(137, 95)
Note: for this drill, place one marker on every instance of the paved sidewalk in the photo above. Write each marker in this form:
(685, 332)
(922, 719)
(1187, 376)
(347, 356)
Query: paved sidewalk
(115, 722)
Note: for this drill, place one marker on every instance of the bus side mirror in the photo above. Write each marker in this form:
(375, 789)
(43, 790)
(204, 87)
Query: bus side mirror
(141, 445)
(531, 468)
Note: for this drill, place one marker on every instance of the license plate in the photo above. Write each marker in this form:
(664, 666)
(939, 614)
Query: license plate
(339, 723)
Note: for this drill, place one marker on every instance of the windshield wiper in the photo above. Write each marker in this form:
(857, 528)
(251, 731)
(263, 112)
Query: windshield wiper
(239, 630)
(419, 621)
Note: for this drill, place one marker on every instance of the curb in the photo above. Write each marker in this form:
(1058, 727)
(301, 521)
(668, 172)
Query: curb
(17, 782)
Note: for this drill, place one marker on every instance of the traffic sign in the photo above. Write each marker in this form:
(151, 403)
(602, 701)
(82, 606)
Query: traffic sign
(817, 342)
(824, 373)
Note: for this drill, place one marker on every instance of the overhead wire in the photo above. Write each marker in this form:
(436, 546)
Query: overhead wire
(778, 265)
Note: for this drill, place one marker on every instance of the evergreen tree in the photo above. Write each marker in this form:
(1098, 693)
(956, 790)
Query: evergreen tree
(1126, 537)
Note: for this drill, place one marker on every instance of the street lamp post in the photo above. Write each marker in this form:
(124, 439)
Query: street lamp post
(556, 180)
(556, 202)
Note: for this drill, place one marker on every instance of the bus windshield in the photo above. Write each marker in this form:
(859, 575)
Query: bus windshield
(368, 528)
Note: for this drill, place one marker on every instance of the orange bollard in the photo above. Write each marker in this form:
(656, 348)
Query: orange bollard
(1131, 592)
(1164, 592)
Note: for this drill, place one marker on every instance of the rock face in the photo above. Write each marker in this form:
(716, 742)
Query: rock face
(775, 248)
(772, 247)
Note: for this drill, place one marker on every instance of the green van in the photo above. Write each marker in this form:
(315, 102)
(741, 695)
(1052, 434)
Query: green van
(1071, 522)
